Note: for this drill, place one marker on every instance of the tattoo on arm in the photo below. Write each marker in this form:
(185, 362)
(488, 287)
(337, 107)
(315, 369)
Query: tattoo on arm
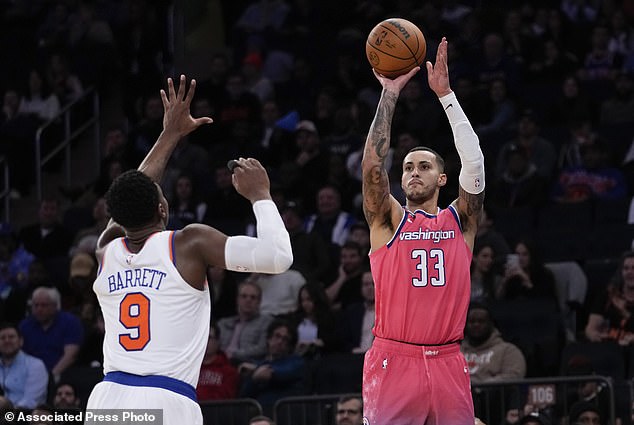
(376, 187)
(474, 202)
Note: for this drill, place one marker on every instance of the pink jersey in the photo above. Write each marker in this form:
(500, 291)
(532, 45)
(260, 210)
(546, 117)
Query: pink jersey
(422, 280)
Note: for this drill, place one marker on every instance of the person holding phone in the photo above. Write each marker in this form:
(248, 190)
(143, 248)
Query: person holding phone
(525, 275)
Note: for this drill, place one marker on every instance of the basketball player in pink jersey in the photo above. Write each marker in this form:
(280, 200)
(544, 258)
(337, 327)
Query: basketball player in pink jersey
(152, 284)
(414, 374)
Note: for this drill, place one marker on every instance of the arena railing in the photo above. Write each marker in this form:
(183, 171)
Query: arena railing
(71, 131)
(230, 412)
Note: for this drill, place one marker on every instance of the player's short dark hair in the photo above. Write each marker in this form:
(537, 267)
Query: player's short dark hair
(132, 199)
(439, 159)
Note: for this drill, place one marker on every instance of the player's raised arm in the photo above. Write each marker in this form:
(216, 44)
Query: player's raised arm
(177, 123)
(378, 204)
(471, 179)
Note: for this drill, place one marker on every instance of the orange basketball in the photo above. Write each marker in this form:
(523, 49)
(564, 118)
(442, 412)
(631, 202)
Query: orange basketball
(395, 46)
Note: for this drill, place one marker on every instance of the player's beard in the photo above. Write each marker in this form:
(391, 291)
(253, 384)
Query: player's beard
(417, 197)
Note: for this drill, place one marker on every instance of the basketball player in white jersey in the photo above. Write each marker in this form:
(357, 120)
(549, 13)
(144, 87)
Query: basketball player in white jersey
(152, 285)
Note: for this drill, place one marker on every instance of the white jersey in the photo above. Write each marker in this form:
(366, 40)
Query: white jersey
(155, 322)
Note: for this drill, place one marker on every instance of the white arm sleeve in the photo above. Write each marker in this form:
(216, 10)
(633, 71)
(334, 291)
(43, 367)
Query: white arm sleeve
(472, 171)
(270, 252)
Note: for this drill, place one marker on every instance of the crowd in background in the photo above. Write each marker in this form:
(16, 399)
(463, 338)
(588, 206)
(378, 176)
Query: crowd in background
(548, 87)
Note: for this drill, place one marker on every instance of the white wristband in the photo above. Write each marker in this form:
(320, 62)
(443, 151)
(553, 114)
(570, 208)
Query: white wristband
(270, 252)
(467, 144)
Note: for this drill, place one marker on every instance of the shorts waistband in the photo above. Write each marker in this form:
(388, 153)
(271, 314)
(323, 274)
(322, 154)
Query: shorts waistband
(157, 381)
(434, 351)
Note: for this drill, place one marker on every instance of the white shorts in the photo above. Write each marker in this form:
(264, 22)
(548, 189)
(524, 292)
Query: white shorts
(177, 409)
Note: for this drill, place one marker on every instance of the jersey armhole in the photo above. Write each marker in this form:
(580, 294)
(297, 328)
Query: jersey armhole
(456, 216)
(398, 229)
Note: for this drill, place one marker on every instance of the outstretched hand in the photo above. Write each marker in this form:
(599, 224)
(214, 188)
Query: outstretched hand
(177, 118)
(438, 73)
(395, 85)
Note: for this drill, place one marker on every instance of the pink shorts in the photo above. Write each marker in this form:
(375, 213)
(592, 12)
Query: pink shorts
(405, 384)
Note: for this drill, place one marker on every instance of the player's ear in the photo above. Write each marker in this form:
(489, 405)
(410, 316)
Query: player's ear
(162, 210)
(442, 179)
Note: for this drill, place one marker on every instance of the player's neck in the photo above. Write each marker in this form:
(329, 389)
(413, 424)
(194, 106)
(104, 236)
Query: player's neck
(136, 238)
(430, 206)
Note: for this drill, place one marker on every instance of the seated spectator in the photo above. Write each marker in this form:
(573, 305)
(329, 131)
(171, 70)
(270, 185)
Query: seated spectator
(242, 337)
(315, 321)
(39, 101)
(279, 291)
(66, 396)
(223, 289)
(23, 378)
(261, 420)
(612, 313)
(488, 235)
(358, 319)
(535, 418)
(593, 392)
(47, 238)
(349, 411)
(218, 378)
(525, 276)
(52, 335)
(539, 151)
(595, 178)
(488, 356)
(584, 413)
(519, 183)
(14, 272)
(185, 206)
(484, 278)
(279, 374)
(310, 251)
(346, 288)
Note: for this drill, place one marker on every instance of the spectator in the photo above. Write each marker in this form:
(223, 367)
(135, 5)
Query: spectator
(349, 411)
(66, 396)
(612, 313)
(279, 374)
(315, 321)
(64, 84)
(584, 413)
(304, 174)
(185, 206)
(23, 378)
(218, 379)
(484, 276)
(346, 288)
(227, 211)
(47, 238)
(535, 418)
(619, 108)
(243, 337)
(310, 251)
(223, 290)
(520, 184)
(14, 271)
(358, 318)
(279, 291)
(261, 420)
(526, 276)
(39, 101)
(488, 235)
(501, 114)
(488, 356)
(595, 178)
(594, 392)
(539, 151)
(50, 334)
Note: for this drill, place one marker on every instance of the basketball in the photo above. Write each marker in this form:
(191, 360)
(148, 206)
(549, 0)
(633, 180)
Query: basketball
(395, 46)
